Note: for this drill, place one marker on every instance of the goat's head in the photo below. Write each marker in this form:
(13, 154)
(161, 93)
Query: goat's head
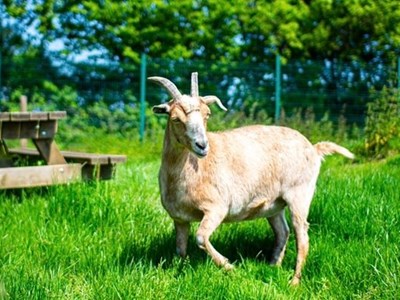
(187, 114)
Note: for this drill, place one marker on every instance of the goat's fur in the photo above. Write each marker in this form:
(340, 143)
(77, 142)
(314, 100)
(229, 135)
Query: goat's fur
(240, 174)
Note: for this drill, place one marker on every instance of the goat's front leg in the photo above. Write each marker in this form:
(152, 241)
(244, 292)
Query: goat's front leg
(182, 235)
(207, 226)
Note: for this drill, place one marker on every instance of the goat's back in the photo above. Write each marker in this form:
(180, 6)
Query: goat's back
(271, 151)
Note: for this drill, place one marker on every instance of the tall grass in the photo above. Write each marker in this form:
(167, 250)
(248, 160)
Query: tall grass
(113, 240)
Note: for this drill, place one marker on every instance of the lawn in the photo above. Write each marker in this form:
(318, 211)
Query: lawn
(113, 240)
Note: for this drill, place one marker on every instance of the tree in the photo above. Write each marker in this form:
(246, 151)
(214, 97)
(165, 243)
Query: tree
(213, 34)
(217, 29)
(25, 62)
(365, 30)
(320, 29)
(122, 30)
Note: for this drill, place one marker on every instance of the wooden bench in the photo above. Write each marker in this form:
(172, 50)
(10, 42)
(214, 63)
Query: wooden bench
(94, 166)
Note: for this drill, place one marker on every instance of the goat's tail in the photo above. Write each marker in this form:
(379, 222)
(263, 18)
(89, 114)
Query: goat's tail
(328, 148)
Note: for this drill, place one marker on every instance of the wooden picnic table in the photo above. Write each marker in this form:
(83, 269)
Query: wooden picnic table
(61, 166)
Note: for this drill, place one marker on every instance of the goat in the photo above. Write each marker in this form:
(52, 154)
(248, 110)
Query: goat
(241, 174)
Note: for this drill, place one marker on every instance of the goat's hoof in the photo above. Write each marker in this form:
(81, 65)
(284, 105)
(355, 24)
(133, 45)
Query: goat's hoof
(295, 281)
(228, 267)
(275, 263)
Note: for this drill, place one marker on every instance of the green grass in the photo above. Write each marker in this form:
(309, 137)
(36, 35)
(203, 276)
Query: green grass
(113, 240)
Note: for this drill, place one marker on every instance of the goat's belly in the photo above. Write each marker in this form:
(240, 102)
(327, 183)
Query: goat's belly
(183, 212)
(256, 209)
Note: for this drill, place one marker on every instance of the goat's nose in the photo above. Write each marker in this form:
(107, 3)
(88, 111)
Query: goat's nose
(202, 145)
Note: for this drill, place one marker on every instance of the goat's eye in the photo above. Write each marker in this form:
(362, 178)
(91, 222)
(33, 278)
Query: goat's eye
(175, 119)
(208, 115)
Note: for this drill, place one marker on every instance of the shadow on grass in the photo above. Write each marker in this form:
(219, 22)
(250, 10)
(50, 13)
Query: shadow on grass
(160, 251)
(242, 247)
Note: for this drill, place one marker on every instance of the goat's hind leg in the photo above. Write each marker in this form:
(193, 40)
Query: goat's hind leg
(299, 205)
(207, 226)
(281, 231)
(300, 226)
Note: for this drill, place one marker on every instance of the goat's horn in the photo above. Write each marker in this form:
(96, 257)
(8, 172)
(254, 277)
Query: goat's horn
(168, 85)
(195, 85)
(211, 99)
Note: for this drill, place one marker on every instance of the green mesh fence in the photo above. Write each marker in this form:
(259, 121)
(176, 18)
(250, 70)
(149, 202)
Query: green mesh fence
(333, 87)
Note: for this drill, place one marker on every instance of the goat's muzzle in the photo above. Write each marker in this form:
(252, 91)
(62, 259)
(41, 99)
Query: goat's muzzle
(200, 148)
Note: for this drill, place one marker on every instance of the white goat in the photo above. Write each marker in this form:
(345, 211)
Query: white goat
(241, 174)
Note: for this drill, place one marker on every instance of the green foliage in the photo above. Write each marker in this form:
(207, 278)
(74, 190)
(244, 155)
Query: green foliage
(62, 98)
(305, 121)
(231, 43)
(349, 29)
(212, 29)
(382, 126)
(219, 30)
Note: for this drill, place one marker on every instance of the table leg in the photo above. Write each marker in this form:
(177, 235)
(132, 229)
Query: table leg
(5, 160)
(49, 151)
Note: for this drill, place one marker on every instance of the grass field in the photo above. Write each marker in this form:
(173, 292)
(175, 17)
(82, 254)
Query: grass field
(113, 240)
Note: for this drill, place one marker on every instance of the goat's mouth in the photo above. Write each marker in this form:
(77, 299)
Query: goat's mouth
(200, 149)
(200, 154)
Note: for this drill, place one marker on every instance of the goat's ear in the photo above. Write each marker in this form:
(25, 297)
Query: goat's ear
(162, 109)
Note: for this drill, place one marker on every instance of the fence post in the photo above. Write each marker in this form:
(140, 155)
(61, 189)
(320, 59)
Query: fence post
(143, 63)
(398, 80)
(277, 88)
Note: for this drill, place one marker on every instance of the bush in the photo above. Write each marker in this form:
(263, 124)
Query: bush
(304, 120)
(382, 123)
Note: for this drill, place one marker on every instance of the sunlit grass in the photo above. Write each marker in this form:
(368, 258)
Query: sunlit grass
(113, 240)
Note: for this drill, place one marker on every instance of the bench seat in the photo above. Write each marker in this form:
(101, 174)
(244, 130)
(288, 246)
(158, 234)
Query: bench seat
(94, 165)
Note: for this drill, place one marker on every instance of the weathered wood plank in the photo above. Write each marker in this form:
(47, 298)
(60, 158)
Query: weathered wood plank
(36, 116)
(29, 129)
(24, 177)
(4, 116)
(116, 159)
(47, 129)
(20, 116)
(90, 158)
(83, 157)
(94, 166)
(32, 116)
